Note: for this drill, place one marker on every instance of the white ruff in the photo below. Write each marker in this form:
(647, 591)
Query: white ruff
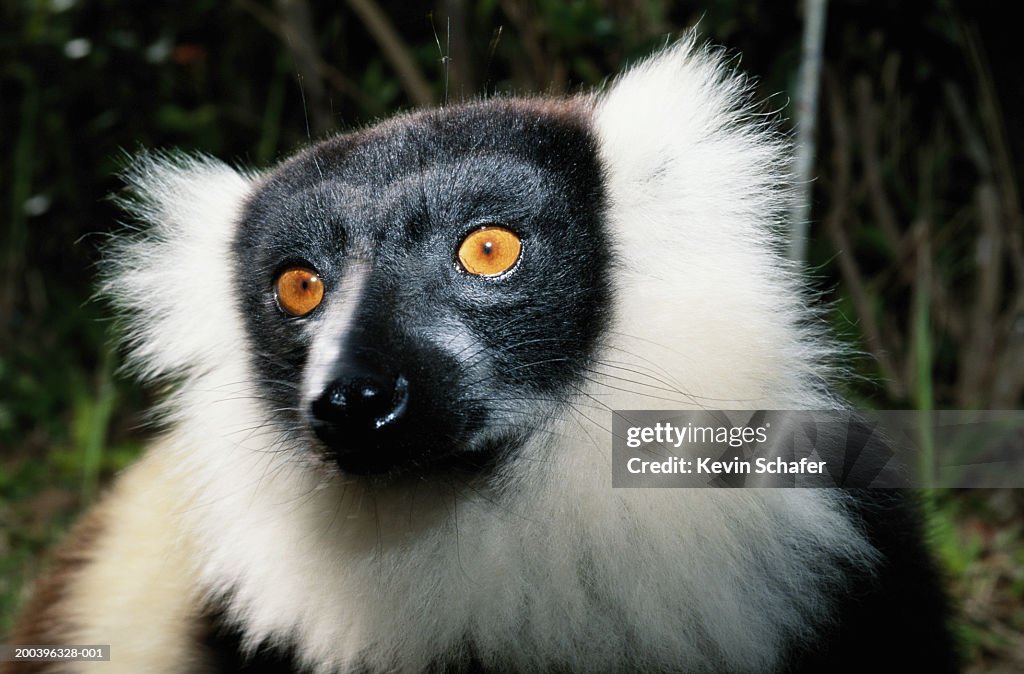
(556, 567)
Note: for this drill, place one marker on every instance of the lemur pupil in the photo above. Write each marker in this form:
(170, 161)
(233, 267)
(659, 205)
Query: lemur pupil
(488, 248)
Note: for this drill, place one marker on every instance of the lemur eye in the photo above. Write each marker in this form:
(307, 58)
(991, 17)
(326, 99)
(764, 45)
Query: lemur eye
(299, 290)
(489, 251)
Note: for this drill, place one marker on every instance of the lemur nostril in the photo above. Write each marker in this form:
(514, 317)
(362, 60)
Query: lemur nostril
(399, 403)
(363, 397)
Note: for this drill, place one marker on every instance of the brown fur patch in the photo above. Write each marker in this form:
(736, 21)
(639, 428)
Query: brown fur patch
(41, 621)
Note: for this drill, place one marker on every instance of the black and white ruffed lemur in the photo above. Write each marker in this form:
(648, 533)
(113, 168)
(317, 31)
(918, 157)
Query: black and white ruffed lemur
(388, 446)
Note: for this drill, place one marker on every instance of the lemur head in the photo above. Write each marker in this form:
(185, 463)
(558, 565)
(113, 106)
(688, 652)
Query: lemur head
(456, 288)
(411, 291)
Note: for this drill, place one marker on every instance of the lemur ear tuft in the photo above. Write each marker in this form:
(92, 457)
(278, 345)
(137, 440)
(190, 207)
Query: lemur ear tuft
(698, 187)
(681, 128)
(171, 279)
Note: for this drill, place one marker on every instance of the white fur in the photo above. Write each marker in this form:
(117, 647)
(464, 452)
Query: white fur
(174, 279)
(557, 567)
(328, 332)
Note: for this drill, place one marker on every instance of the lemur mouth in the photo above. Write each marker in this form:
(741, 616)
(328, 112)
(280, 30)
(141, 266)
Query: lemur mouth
(469, 462)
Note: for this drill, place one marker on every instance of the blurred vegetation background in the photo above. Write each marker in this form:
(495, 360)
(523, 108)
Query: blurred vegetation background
(915, 240)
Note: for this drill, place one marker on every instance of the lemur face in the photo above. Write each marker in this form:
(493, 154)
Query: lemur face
(414, 292)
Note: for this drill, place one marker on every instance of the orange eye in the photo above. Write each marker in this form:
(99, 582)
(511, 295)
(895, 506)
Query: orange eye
(299, 290)
(489, 251)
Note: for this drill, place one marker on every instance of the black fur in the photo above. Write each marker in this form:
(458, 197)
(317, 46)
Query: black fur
(896, 618)
(222, 643)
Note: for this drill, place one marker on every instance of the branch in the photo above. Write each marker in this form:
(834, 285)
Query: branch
(547, 70)
(988, 257)
(885, 214)
(297, 27)
(852, 276)
(332, 75)
(395, 50)
(806, 124)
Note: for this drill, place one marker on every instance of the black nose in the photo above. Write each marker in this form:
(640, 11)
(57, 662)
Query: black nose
(363, 418)
(364, 402)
